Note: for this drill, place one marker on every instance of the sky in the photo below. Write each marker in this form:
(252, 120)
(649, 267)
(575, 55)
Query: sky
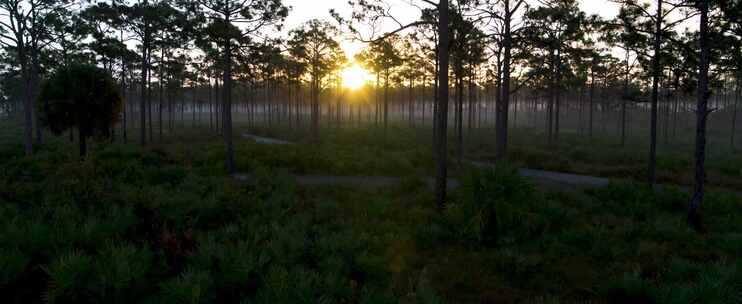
(304, 10)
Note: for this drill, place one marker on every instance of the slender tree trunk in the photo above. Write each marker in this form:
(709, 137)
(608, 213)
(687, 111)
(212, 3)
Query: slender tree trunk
(315, 108)
(592, 103)
(503, 105)
(470, 103)
(411, 109)
(82, 142)
(218, 96)
(149, 99)
(734, 113)
(702, 112)
(227, 107)
(160, 97)
(143, 99)
(386, 102)
(441, 123)
(651, 174)
(27, 101)
(436, 80)
(194, 106)
(515, 111)
(558, 91)
(625, 96)
(580, 112)
(34, 86)
(298, 103)
(459, 115)
(211, 106)
(423, 102)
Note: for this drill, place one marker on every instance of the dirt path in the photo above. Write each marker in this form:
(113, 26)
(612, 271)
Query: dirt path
(351, 181)
(266, 140)
(547, 179)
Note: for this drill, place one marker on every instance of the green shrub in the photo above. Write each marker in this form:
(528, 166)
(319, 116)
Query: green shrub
(628, 288)
(121, 270)
(492, 206)
(192, 286)
(69, 278)
(12, 264)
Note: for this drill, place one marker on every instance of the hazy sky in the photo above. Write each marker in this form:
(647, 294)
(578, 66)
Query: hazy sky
(304, 10)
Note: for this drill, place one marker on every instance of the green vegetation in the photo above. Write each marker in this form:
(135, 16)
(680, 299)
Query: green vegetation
(407, 151)
(163, 224)
(368, 203)
(83, 97)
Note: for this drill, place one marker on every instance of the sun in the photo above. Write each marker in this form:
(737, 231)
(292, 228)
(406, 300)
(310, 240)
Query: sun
(354, 77)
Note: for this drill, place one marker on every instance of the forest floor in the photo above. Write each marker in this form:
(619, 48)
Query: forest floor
(568, 176)
(165, 224)
(551, 179)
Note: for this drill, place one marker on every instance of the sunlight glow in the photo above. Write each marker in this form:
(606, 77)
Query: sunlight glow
(355, 77)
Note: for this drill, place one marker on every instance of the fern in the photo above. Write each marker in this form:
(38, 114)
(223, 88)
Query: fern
(121, 266)
(68, 277)
(192, 286)
(12, 264)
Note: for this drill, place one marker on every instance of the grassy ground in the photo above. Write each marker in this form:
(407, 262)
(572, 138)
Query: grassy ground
(599, 156)
(165, 225)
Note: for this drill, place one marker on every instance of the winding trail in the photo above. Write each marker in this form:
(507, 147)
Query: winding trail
(547, 179)
(370, 182)
(266, 140)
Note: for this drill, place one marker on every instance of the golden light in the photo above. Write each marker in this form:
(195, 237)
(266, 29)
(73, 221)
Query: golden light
(355, 77)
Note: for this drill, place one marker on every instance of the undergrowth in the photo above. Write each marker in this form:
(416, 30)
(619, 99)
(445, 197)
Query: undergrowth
(164, 225)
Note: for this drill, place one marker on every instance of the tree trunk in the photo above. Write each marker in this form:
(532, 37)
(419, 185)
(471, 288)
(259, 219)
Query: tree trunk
(143, 99)
(651, 173)
(82, 141)
(149, 98)
(558, 91)
(625, 96)
(411, 108)
(734, 113)
(592, 103)
(441, 123)
(217, 98)
(227, 106)
(160, 97)
(315, 108)
(459, 115)
(702, 112)
(503, 105)
(194, 107)
(27, 103)
(34, 89)
(470, 102)
(211, 106)
(386, 102)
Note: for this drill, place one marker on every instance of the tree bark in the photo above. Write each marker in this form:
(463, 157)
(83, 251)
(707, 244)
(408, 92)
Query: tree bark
(149, 97)
(27, 107)
(315, 109)
(459, 115)
(625, 96)
(702, 112)
(34, 90)
(386, 102)
(734, 113)
(503, 105)
(143, 97)
(441, 123)
(227, 105)
(160, 97)
(558, 93)
(652, 166)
